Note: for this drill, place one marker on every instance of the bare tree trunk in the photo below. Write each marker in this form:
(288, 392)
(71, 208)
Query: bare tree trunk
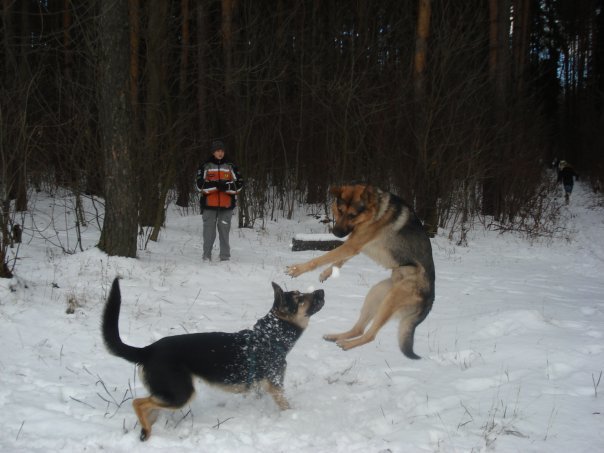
(202, 69)
(228, 6)
(11, 120)
(75, 161)
(502, 72)
(488, 186)
(520, 41)
(135, 33)
(421, 48)
(492, 202)
(427, 201)
(8, 37)
(493, 38)
(67, 50)
(19, 182)
(118, 236)
(153, 157)
(185, 170)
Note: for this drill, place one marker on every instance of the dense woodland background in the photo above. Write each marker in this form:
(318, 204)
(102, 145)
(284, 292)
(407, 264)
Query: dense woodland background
(458, 106)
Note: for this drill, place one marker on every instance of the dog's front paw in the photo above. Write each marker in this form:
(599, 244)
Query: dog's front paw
(294, 270)
(325, 274)
(284, 405)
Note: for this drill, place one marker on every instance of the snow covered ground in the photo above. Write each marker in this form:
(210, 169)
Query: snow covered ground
(513, 349)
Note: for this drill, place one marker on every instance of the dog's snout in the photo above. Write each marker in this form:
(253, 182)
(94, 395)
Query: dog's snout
(339, 232)
(318, 300)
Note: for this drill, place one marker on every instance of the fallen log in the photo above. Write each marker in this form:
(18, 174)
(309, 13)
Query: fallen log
(324, 242)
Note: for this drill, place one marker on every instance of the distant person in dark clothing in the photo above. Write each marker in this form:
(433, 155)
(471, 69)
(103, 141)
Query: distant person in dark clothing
(219, 182)
(567, 175)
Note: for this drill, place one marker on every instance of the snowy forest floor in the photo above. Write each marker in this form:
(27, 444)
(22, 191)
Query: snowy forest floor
(513, 350)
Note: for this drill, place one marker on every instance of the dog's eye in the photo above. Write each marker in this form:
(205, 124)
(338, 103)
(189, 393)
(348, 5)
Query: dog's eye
(299, 299)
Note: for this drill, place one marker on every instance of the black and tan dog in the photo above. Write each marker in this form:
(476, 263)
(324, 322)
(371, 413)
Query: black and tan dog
(385, 228)
(236, 362)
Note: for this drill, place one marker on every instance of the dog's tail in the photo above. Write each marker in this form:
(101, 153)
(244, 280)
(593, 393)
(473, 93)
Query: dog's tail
(111, 333)
(409, 321)
(407, 330)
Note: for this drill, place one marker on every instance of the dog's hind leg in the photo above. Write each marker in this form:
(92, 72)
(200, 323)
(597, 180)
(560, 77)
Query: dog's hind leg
(145, 409)
(370, 307)
(385, 311)
(170, 388)
(402, 298)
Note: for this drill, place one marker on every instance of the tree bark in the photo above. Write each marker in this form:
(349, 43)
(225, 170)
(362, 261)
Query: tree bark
(228, 7)
(421, 47)
(520, 43)
(155, 156)
(19, 182)
(202, 69)
(428, 198)
(135, 36)
(118, 236)
(184, 180)
(499, 76)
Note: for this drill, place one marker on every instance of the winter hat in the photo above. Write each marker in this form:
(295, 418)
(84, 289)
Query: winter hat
(216, 145)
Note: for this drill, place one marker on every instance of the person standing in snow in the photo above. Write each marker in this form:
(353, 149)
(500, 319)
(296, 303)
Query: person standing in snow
(567, 175)
(219, 182)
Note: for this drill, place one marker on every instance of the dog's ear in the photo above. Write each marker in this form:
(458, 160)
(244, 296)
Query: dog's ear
(284, 303)
(368, 194)
(278, 293)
